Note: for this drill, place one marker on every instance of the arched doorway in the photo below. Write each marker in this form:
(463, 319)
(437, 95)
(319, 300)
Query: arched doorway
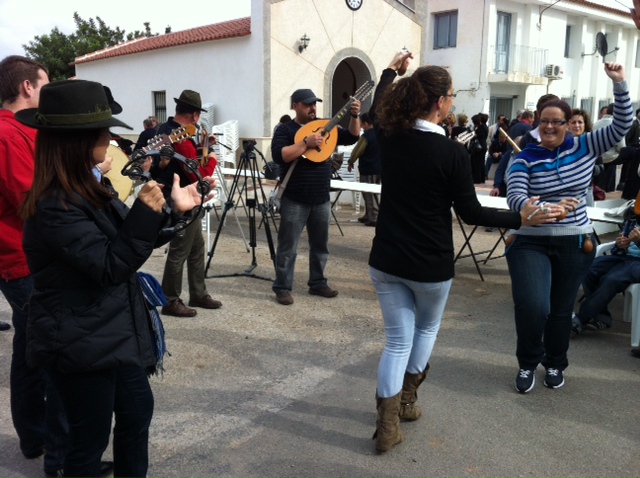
(349, 75)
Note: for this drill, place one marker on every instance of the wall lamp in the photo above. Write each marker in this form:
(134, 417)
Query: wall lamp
(304, 43)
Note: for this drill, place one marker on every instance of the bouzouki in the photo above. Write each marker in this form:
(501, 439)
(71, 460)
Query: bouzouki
(122, 182)
(326, 127)
(176, 136)
(133, 169)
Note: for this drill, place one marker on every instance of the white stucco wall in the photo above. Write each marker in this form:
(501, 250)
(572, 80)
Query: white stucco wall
(372, 34)
(227, 73)
(467, 62)
(470, 60)
(250, 79)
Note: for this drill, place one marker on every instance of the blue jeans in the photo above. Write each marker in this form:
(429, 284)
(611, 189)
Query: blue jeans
(293, 217)
(91, 399)
(546, 273)
(37, 413)
(412, 312)
(607, 277)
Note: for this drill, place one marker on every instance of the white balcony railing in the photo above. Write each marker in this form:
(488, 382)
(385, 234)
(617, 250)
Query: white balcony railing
(518, 60)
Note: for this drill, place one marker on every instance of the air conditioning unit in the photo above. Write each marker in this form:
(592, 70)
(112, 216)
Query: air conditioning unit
(553, 72)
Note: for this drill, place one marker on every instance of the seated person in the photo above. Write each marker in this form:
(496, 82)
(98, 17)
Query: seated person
(500, 176)
(498, 147)
(608, 276)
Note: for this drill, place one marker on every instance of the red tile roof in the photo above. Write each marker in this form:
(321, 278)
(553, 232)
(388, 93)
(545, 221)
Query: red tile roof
(218, 31)
(604, 8)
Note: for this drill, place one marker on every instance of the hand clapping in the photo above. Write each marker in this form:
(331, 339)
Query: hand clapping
(188, 197)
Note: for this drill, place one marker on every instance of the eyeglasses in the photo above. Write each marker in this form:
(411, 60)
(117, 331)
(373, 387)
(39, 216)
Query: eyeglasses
(545, 122)
(452, 95)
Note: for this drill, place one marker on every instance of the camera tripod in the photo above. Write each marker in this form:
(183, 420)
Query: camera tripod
(248, 168)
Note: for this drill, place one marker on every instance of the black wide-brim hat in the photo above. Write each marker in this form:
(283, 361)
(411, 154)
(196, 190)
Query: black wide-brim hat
(116, 109)
(70, 105)
(190, 99)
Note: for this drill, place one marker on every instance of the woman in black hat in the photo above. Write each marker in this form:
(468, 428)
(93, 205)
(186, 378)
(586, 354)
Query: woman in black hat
(88, 324)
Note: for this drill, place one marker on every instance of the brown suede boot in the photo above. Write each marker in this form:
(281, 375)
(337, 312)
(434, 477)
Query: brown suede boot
(388, 433)
(408, 408)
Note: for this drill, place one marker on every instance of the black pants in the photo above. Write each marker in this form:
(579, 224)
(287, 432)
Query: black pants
(90, 399)
(607, 180)
(36, 410)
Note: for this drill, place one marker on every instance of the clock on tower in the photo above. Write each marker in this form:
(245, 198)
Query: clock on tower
(354, 4)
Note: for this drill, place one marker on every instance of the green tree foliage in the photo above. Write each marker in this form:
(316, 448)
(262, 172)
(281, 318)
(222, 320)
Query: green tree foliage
(57, 51)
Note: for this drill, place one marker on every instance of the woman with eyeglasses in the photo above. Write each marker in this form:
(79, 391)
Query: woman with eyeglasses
(548, 262)
(412, 256)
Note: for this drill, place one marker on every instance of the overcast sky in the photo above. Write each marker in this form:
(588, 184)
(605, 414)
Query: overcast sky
(22, 20)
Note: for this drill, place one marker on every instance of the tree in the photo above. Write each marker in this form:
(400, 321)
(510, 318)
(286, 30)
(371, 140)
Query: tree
(56, 50)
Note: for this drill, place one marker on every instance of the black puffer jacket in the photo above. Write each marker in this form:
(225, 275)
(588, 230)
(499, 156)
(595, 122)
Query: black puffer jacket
(87, 311)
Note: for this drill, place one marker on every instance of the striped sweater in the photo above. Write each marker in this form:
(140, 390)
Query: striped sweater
(566, 172)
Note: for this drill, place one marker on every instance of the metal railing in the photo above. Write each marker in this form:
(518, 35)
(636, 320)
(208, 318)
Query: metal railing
(518, 59)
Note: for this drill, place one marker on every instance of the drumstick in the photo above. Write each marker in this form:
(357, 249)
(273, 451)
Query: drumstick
(466, 137)
(516, 148)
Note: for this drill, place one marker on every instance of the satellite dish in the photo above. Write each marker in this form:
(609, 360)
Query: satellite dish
(601, 45)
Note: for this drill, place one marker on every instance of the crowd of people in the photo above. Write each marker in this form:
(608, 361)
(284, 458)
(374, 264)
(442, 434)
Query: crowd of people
(83, 349)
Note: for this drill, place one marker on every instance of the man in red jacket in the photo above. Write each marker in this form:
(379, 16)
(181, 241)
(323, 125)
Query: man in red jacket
(35, 408)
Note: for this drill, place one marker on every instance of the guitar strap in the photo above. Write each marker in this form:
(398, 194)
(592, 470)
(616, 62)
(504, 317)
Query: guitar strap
(283, 184)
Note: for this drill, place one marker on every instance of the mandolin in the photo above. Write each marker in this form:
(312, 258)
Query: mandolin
(325, 127)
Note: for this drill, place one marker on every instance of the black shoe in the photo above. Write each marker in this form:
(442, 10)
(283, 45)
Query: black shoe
(635, 352)
(553, 378)
(4, 326)
(106, 469)
(576, 326)
(32, 455)
(526, 380)
(362, 219)
(596, 324)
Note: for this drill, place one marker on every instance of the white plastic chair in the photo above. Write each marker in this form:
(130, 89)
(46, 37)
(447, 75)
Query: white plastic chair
(228, 135)
(345, 175)
(631, 310)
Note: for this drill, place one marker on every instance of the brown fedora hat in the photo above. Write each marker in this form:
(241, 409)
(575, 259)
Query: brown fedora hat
(190, 99)
(71, 105)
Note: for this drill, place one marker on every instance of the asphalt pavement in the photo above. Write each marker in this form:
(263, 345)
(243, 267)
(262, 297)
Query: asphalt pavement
(260, 389)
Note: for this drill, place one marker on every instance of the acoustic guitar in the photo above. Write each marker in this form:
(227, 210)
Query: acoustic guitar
(325, 127)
